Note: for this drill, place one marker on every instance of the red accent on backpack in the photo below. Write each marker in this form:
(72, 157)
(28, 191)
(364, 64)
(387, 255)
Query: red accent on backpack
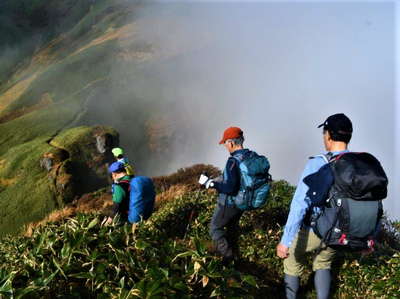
(342, 239)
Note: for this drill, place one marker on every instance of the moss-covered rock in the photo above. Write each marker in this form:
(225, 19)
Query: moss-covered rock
(44, 174)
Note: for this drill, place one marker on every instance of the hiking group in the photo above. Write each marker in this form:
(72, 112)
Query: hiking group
(337, 204)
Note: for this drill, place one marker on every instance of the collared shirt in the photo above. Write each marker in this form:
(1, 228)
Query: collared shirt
(300, 202)
(231, 182)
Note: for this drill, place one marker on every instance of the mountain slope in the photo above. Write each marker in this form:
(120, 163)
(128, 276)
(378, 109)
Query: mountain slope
(43, 174)
(80, 63)
(62, 63)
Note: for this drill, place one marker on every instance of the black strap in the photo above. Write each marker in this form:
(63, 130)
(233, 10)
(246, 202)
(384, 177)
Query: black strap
(125, 184)
(123, 206)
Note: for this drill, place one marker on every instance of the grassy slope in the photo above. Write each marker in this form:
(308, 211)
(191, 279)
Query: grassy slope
(29, 192)
(78, 66)
(168, 256)
(66, 81)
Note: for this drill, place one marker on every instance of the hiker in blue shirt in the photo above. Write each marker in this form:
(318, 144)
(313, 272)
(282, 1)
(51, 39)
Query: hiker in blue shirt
(298, 239)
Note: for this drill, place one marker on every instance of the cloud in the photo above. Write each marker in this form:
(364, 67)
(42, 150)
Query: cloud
(274, 69)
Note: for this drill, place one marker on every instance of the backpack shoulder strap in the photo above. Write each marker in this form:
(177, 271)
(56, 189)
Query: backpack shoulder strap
(238, 158)
(338, 157)
(327, 158)
(241, 157)
(125, 184)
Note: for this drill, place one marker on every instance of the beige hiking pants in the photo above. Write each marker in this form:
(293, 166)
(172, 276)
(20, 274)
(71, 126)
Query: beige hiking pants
(306, 241)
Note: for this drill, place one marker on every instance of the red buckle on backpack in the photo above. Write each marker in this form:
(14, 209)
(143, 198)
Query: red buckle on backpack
(371, 243)
(342, 239)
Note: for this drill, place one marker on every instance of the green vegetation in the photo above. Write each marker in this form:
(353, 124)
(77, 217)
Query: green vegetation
(28, 191)
(25, 190)
(58, 81)
(169, 256)
(59, 86)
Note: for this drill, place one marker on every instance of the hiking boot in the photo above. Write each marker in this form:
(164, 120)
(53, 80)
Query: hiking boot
(222, 247)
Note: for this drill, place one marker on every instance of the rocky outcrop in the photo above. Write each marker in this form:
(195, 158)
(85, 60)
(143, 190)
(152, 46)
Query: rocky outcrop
(78, 160)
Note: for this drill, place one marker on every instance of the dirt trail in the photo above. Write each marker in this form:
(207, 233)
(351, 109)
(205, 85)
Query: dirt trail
(81, 112)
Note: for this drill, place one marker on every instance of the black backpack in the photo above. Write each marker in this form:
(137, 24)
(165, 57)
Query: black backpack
(349, 190)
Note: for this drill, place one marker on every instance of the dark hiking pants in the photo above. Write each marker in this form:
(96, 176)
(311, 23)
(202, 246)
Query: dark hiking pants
(224, 228)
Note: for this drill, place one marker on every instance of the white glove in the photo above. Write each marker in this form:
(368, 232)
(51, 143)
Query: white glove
(206, 181)
(203, 179)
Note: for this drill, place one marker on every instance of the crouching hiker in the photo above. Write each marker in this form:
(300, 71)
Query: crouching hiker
(120, 192)
(133, 198)
(245, 186)
(336, 206)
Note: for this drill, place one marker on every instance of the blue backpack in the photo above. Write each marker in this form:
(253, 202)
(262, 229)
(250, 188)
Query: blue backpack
(255, 181)
(142, 198)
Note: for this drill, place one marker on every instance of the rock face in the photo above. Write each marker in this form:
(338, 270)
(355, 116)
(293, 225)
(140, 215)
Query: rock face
(78, 161)
(44, 174)
(104, 142)
(46, 163)
(52, 158)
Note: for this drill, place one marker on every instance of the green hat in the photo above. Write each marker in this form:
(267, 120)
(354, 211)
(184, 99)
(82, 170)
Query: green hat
(117, 151)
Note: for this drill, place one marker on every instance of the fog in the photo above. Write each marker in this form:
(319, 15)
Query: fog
(276, 70)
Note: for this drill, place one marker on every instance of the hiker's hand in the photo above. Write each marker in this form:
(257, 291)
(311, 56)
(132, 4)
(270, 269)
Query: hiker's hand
(106, 221)
(206, 181)
(134, 226)
(282, 251)
(210, 184)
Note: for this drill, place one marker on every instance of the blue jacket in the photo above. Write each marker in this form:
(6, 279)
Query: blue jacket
(300, 202)
(142, 197)
(230, 184)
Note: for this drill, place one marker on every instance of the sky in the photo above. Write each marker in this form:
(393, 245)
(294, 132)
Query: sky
(277, 70)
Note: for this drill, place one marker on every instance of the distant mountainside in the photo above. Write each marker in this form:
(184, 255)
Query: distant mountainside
(67, 64)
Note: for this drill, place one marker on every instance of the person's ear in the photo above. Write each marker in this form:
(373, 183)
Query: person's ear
(328, 136)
